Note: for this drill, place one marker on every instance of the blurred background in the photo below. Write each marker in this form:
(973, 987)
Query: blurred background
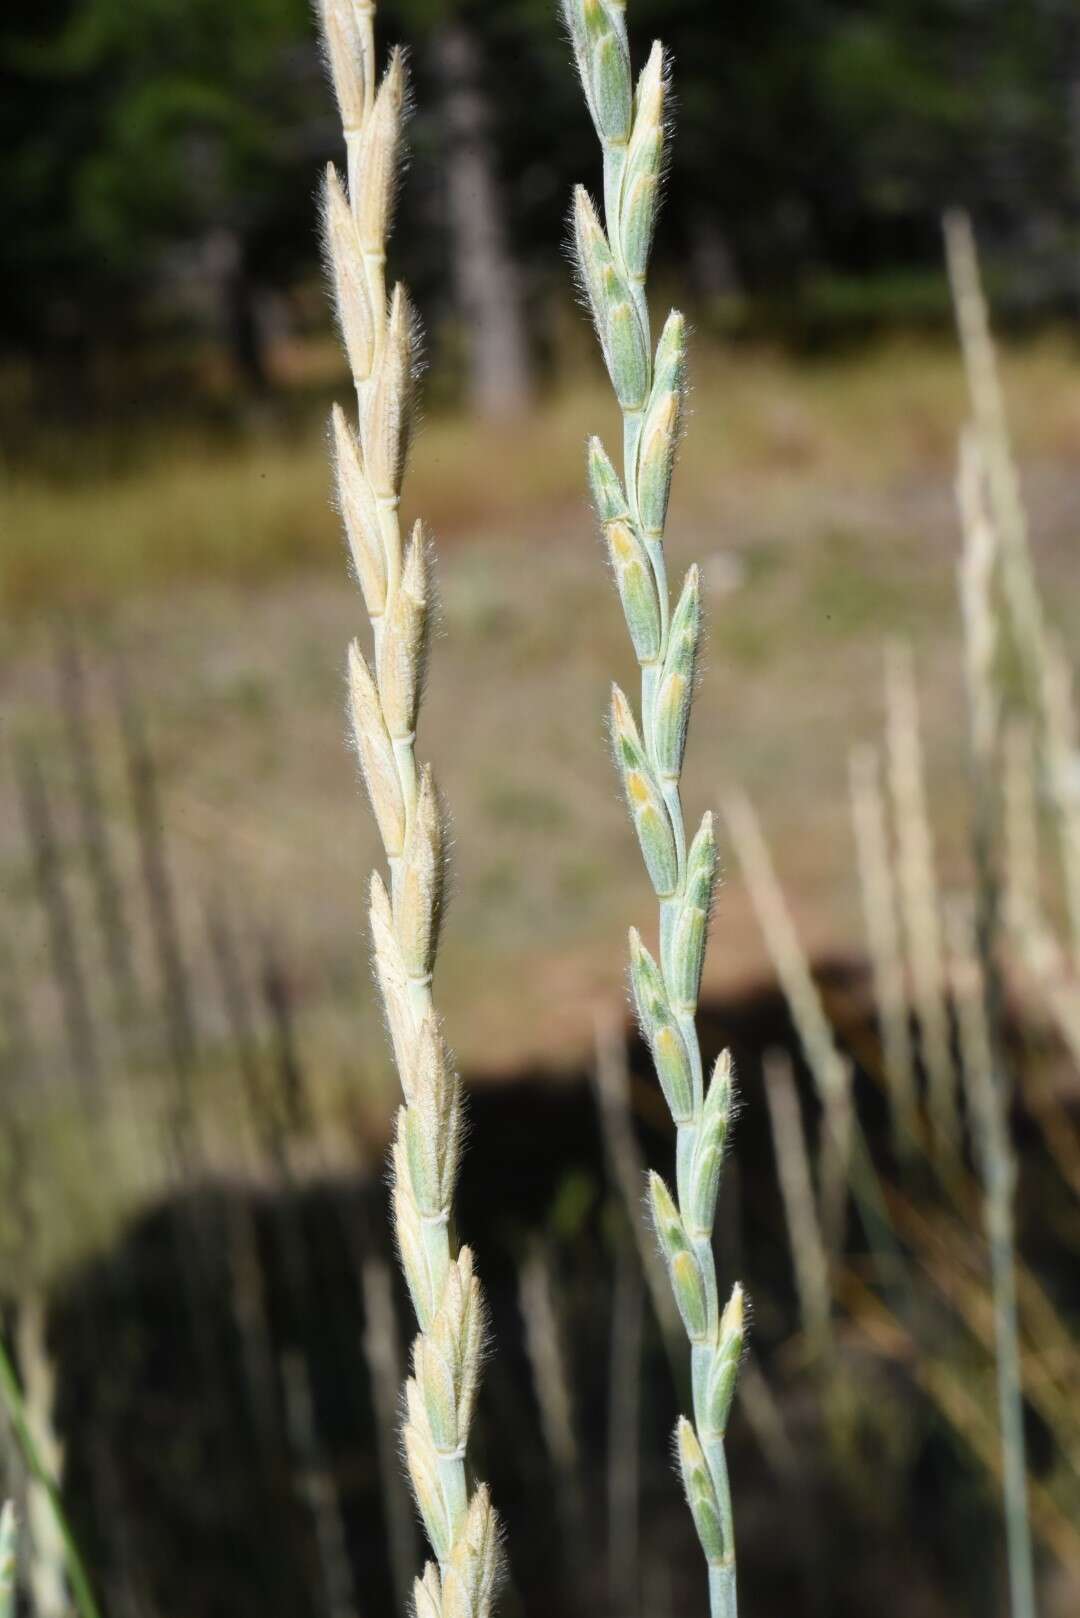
(195, 1086)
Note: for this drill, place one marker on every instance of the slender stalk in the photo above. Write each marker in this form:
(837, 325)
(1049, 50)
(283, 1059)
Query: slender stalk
(320, 1489)
(986, 1095)
(9, 1546)
(627, 1168)
(381, 342)
(11, 1393)
(993, 527)
(797, 1194)
(544, 1347)
(551, 1382)
(97, 843)
(918, 895)
(177, 1001)
(991, 425)
(612, 259)
(844, 1151)
(624, 1430)
(56, 907)
(381, 1351)
(878, 890)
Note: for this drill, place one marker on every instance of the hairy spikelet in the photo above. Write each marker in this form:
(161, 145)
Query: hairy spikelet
(385, 684)
(611, 254)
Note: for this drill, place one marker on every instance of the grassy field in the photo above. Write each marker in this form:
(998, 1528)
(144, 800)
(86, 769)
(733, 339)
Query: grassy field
(818, 498)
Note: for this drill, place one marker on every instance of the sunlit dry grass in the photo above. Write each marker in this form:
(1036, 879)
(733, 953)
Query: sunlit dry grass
(244, 507)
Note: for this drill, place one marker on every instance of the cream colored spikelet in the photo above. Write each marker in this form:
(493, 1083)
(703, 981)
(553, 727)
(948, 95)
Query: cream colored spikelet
(385, 682)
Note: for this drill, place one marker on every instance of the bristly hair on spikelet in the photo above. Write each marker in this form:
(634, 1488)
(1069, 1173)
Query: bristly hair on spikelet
(381, 338)
(611, 255)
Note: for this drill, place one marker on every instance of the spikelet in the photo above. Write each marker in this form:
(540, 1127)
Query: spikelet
(350, 65)
(700, 1489)
(385, 685)
(376, 753)
(351, 295)
(380, 147)
(360, 514)
(403, 650)
(388, 415)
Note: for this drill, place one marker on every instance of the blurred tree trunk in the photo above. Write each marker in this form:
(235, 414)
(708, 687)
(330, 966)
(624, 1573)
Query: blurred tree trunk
(487, 279)
(227, 259)
(712, 262)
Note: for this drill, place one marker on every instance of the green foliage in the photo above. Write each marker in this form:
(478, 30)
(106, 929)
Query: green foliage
(130, 134)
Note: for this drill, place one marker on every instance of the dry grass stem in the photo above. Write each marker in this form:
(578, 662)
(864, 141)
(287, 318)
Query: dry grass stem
(320, 1490)
(879, 900)
(9, 1545)
(988, 409)
(1062, 780)
(624, 1431)
(831, 1071)
(627, 1167)
(988, 1104)
(918, 895)
(381, 1350)
(797, 1193)
(544, 1348)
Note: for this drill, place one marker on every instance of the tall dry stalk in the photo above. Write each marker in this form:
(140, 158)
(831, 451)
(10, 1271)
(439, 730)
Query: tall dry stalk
(878, 889)
(997, 1162)
(38, 1451)
(9, 1546)
(98, 851)
(624, 1429)
(381, 341)
(919, 896)
(319, 1489)
(988, 408)
(627, 1169)
(382, 1352)
(995, 541)
(59, 916)
(612, 259)
(808, 1252)
(831, 1071)
(1059, 748)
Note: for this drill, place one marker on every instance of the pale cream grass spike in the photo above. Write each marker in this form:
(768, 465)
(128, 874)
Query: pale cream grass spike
(808, 1252)
(9, 1546)
(380, 337)
(1049, 680)
(988, 1100)
(976, 580)
(919, 894)
(612, 259)
(1062, 764)
(878, 889)
(47, 1560)
(544, 1347)
(831, 1071)
(1003, 484)
(1023, 905)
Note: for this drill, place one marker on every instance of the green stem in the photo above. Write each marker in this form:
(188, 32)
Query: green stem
(999, 1174)
(12, 1396)
(633, 421)
(723, 1598)
(1011, 1407)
